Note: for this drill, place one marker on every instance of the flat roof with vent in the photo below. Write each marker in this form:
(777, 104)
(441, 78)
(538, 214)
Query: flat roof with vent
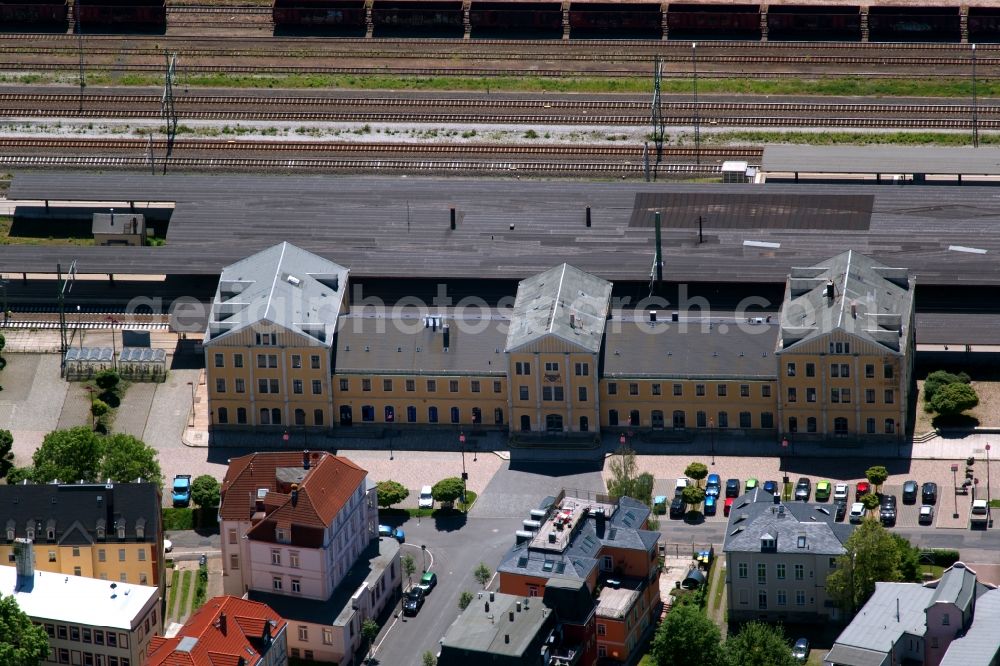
(885, 160)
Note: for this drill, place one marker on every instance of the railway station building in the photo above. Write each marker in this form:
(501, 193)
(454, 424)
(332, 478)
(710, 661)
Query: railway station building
(284, 349)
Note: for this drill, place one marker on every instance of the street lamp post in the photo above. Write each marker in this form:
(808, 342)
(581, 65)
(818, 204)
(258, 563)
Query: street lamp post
(191, 384)
(423, 551)
(975, 103)
(711, 434)
(988, 495)
(954, 479)
(697, 118)
(461, 442)
(114, 351)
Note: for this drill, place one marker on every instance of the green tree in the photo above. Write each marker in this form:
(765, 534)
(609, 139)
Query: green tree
(390, 492)
(429, 659)
(409, 566)
(940, 378)
(687, 637)
(464, 599)
(642, 488)
(871, 502)
(871, 556)
(623, 470)
(99, 408)
(127, 459)
(909, 559)
(6, 452)
(18, 474)
(876, 475)
(954, 399)
(482, 574)
(107, 380)
(69, 455)
(447, 490)
(205, 492)
(369, 632)
(21, 642)
(758, 644)
(697, 471)
(693, 495)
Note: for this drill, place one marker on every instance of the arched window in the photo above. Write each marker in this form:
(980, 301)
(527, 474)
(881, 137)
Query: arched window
(477, 416)
(679, 418)
(300, 417)
(612, 417)
(241, 415)
(633, 417)
(890, 426)
(525, 423)
(811, 424)
(346, 415)
(656, 418)
(432, 414)
(390, 414)
(265, 416)
(498, 416)
(411, 414)
(840, 426)
(793, 424)
(367, 413)
(584, 424)
(318, 417)
(554, 422)
(276, 416)
(455, 415)
(223, 415)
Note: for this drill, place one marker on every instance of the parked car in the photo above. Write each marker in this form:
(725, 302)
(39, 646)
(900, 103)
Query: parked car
(803, 489)
(713, 486)
(677, 508)
(910, 492)
(841, 511)
(428, 582)
(887, 514)
(711, 504)
(732, 487)
(980, 513)
(822, 491)
(926, 515)
(771, 487)
(751, 484)
(680, 485)
(841, 492)
(857, 512)
(862, 489)
(800, 651)
(392, 532)
(181, 490)
(426, 500)
(413, 600)
(928, 493)
(728, 506)
(168, 545)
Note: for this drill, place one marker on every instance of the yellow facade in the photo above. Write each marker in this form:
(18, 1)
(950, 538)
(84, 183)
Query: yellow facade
(269, 376)
(123, 562)
(554, 388)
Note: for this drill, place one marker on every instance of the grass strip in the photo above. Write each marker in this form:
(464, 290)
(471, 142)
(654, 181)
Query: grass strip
(172, 594)
(850, 138)
(719, 586)
(186, 578)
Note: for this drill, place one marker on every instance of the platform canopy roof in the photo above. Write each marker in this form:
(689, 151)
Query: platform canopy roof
(884, 160)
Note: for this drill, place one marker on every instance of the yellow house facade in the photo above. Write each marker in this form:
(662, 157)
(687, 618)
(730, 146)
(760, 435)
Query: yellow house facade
(836, 363)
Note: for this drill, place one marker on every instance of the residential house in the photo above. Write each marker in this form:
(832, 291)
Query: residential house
(778, 557)
(226, 630)
(110, 531)
(926, 624)
(89, 621)
(599, 542)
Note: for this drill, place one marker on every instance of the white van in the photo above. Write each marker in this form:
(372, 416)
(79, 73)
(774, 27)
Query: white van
(426, 499)
(857, 512)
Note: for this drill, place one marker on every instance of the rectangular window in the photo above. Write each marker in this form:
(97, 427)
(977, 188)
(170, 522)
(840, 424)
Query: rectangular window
(945, 620)
(744, 390)
(766, 420)
(345, 384)
(411, 385)
(87, 636)
(869, 370)
(77, 571)
(887, 371)
(276, 583)
(779, 570)
(810, 369)
(303, 632)
(314, 362)
(800, 572)
(701, 419)
(98, 637)
(782, 598)
(121, 554)
(810, 395)
(241, 386)
(276, 556)
(220, 385)
(558, 393)
(547, 393)
(232, 536)
(870, 396)
(761, 573)
(100, 555)
(220, 361)
(790, 370)
(112, 639)
(762, 599)
(743, 569)
(835, 395)
(522, 368)
(387, 385)
(723, 419)
(870, 426)
(678, 390)
(746, 421)
(602, 629)
(296, 586)
(582, 369)
(699, 390)
(792, 395)
(453, 386)
(612, 388)
(835, 370)
(432, 385)
(327, 636)
(581, 393)
(633, 388)
(317, 385)
(261, 360)
(889, 396)
(551, 366)
(721, 390)
(765, 390)
(522, 392)
(273, 384)
(297, 386)
(657, 389)
(296, 360)
(474, 385)
(497, 386)
(366, 384)
(293, 559)
(845, 395)
(142, 555)
(234, 561)
(272, 360)
(237, 360)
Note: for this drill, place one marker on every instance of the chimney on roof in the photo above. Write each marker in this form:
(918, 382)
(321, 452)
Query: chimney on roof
(492, 596)
(222, 623)
(452, 211)
(24, 562)
(830, 290)
(601, 520)
(447, 336)
(572, 320)
(588, 217)
(506, 638)
(511, 616)
(854, 309)
(295, 494)
(305, 459)
(518, 606)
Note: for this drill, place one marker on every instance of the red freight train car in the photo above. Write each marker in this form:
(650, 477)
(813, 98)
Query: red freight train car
(417, 15)
(122, 14)
(514, 18)
(627, 19)
(984, 24)
(914, 24)
(25, 14)
(319, 13)
(714, 21)
(807, 23)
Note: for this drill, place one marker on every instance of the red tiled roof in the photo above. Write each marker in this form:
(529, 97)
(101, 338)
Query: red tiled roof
(327, 486)
(244, 629)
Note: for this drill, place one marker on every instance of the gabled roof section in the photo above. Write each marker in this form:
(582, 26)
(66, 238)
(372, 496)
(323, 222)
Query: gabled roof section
(219, 634)
(851, 293)
(283, 285)
(956, 586)
(755, 516)
(261, 482)
(563, 301)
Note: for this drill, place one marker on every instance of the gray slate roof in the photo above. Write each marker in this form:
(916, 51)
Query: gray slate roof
(75, 511)
(876, 627)
(479, 631)
(870, 300)
(368, 343)
(885, 160)
(956, 586)
(562, 301)
(755, 515)
(714, 348)
(981, 645)
(283, 285)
